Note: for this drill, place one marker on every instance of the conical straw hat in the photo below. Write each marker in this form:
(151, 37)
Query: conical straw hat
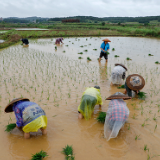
(135, 82)
(119, 64)
(118, 95)
(106, 40)
(9, 106)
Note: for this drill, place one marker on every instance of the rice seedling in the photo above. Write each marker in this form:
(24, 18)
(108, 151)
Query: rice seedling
(55, 47)
(137, 137)
(101, 117)
(129, 127)
(122, 86)
(88, 59)
(128, 59)
(144, 124)
(142, 95)
(10, 127)
(68, 152)
(150, 55)
(64, 51)
(40, 155)
(80, 58)
(81, 46)
(95, 49)
(107, 52)
(155, 127)
(116, 56)
(145, 148)
(157, 62)
(66, 45)
(80, 53)
(86, 50)
(155, 118)
(113, 49)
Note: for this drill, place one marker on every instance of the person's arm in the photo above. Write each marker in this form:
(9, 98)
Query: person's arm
(19, 119)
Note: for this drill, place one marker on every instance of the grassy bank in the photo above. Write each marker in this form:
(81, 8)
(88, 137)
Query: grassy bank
(78, 29)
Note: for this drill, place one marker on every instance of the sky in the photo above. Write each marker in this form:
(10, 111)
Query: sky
(66, 8)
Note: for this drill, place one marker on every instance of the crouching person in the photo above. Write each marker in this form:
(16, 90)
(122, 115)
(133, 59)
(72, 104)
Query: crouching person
(118, 74)
(117, 115)
(29, 116)
(91, 97)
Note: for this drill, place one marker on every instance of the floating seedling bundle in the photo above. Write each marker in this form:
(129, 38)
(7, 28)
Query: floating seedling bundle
(122, 86)
(113, 49)
(116, 56)
(88, 59)
(150, 55)
(80, 58)
(101, 117)
(128, 59)
(39, 156)
(80, 53)
(68, 151)
(157, 62)
(10, 127)
(107, 52)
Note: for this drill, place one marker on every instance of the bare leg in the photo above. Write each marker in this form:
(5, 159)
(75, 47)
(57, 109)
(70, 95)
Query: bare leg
(99, 59)
(80, 116)
(106, 60)
(125, 92)
(26, 135)
(111, 84)
(44, 131)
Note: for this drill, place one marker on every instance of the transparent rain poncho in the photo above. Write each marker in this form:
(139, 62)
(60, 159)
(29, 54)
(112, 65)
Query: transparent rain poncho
(116, 75)
(90, 98)
(116, 117)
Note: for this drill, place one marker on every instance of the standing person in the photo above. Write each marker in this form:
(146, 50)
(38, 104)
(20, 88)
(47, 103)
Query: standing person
(134, 82)
(25, 41)
(104, 48)
(29, 116)
(91, 97)
(117, 115)
(58, 40)
(118, 73)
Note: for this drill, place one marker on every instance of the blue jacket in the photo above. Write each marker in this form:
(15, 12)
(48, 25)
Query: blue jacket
(105, 47)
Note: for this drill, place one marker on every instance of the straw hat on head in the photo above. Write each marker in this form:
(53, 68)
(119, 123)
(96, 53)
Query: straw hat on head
(118, 95)
(106, 40)
(119, 64)
(135, 82)
(9, 106)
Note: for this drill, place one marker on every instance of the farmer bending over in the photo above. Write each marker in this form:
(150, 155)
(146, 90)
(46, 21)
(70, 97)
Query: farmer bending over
(117, 115)
(25, 41)
(134, 82)
(104, 48)
(58, 40)
(118, 73)
(29, 116)
(91, 97)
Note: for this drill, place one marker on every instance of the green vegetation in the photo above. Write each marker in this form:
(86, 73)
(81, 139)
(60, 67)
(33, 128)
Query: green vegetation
(39, 156)
(157, 62)
(116, 56)
(107, 52)
(142, 95)
(88, 59)
(128, 59)
(68, 151)
(80, 58)
(10, 127)
(80, 53)
(150, 55)
(122, 86)
(101, 117)
(113, 49)
(95, 49)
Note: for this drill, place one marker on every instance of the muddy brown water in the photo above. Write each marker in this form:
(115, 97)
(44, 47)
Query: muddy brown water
(56, 80)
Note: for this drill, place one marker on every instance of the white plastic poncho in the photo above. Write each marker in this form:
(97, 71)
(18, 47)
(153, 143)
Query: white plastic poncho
(116, 75)
(116, 116)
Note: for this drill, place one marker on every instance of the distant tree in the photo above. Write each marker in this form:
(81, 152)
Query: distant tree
(103, 23)
(119, 23)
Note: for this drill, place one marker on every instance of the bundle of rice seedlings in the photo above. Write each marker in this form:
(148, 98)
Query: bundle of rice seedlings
(113, 49)
(157, 62)
(107, 52)
(80, 53)
(122, 86)
(55, 47)
(94, 49)
(101, 117)
(86, 50)
(116, 56)
(150, 55)
(88, 59)
(80, 58)
(81, 46)
(39, 156)
(64, 51)
(68, 151)
(128, 58)
(142, 95)
(10, 127)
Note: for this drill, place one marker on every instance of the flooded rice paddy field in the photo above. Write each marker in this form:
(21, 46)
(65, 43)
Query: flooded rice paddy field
(56, 79)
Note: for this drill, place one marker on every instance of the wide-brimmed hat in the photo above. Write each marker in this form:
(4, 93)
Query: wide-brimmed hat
(9, 106)
(118, 95)
(119, 64)
(106, 40)
(135, 82)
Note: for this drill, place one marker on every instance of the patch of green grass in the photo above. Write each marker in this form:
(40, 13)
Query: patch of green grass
(142, 95)
(39, 156)
(10, 127)
(101, 117)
